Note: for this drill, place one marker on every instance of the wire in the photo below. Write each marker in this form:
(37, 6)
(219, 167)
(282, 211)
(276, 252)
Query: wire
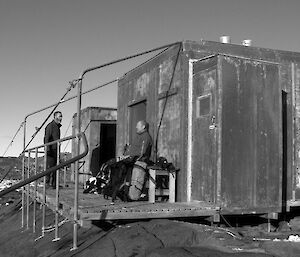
(228, 224)
(68, 127)
(9, 170)
(128, 57)
(66, 134)
(38, 129)
(88, 91)
(62, 101)
(56, 104)
(6, 174)
(165, 103)
(9, 145)
(55, 107)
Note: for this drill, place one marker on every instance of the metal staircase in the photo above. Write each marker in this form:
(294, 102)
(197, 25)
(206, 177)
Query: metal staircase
(30, 177)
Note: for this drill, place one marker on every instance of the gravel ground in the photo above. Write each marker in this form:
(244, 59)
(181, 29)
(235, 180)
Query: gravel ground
(154, 238)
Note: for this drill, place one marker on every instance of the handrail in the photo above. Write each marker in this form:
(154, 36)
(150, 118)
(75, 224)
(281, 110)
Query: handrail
(54, 168)
(51, 143)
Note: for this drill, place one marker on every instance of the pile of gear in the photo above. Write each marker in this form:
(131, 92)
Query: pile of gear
(124, 178)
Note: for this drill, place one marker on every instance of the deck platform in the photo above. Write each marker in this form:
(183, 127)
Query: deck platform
(95, 207)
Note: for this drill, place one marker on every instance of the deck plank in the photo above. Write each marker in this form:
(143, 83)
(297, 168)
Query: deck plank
(95, 207)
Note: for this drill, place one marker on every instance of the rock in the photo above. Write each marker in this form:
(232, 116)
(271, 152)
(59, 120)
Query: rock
(264, 227)
(283, 227)
(295, 224)
(280, 248)
(10, 201)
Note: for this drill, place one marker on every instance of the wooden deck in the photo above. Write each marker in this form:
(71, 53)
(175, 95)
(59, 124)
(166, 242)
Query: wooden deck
(95, 207)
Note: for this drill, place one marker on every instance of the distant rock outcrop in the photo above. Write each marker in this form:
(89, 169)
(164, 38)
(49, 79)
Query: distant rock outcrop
(14, 164)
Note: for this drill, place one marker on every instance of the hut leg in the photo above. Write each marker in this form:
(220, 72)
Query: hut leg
(85, 223)
(214, 220)
(270, 216)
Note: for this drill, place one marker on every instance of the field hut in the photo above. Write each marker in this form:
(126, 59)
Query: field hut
(227, 116)
(99, 126)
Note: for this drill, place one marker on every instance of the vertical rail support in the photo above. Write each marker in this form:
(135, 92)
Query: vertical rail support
(31, 191)
(44, 195)
(57, 195)
(23, 191)
(65, 170)
(35, 190)
(23, 175)
(76, 175)
(28, 190)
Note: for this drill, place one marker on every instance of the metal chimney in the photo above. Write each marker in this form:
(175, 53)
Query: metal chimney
(225, 39)
(247, 42)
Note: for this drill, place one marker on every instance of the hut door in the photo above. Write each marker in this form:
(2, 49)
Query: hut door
(203, 134)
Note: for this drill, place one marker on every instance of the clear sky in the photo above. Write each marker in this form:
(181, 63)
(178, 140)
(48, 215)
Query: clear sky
(46, 43)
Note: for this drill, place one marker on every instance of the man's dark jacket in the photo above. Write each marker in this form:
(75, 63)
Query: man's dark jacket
(52, 133)
(141, 146)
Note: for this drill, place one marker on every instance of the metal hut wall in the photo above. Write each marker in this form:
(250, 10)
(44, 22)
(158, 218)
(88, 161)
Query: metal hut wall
(99, 126)
(228, 116)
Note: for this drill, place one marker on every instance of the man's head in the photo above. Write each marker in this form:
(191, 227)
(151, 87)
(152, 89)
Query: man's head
(57, 117)
(142, 126)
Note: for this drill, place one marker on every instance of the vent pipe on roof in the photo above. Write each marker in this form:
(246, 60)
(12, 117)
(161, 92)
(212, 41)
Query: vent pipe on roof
(225, 39)
(247, 42)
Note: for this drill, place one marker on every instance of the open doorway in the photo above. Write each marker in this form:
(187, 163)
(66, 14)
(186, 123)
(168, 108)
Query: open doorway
(107, 141)
(105, 149)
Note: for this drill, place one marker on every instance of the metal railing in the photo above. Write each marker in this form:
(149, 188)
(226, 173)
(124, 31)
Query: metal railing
(27, 178)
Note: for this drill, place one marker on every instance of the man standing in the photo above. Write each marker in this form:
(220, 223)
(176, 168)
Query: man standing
(52, 133)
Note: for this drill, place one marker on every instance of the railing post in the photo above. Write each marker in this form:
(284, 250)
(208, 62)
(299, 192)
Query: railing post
(35, 189)
(23, 176)
(57, 195)
(44, 194)
(27, 179)
(23, 190)
(75, 225)
(65, 170)
(28, 190)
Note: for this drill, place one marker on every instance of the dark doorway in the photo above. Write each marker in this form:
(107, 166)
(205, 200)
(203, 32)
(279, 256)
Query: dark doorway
(137, 113)
(105, 149)
(284, 150)
(107, 142)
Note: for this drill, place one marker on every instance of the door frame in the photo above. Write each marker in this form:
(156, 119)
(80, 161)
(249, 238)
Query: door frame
(190, 127)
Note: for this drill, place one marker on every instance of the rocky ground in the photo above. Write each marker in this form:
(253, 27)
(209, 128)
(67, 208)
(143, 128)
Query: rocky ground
(152, 238)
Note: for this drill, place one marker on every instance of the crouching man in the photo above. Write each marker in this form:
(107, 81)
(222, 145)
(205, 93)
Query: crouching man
(141, 149)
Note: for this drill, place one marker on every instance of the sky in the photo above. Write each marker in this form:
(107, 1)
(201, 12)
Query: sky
(44, 44)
